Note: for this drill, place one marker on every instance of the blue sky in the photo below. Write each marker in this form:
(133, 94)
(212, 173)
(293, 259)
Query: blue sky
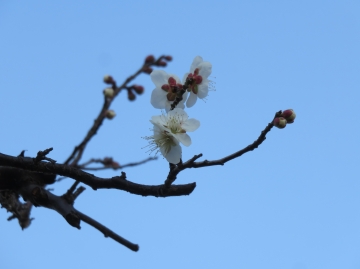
(292, 203)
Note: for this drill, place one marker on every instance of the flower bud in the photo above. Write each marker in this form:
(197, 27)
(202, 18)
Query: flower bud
(147, 70)
(110, 114)
(108, 92)
(138, 89)
(149, 59)
(109, 79)
(279, 122)
(131, 95)
(162, 63)
(168, 58)
(289, 115)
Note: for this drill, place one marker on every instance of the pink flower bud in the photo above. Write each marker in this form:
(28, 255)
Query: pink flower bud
(109, 79)
(172, 81)
(138, 89)
(280, 122)
(289, 115)
(110, 114)
(168, 58)
(149, 59)
(108, 92)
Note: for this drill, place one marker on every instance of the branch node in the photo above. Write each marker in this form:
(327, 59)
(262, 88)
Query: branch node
(41, 155)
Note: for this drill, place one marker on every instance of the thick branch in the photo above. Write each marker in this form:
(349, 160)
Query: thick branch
(41, 197)
(118, 182)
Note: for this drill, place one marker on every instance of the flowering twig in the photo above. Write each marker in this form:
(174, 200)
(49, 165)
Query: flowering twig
(76, 155)
(192, 164)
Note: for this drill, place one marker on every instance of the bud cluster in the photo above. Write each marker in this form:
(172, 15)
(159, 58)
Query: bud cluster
(150, 60)
(287, 117)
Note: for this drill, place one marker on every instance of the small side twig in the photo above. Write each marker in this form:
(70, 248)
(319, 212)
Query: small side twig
(110, 164)
(41, 156)
(107, 232)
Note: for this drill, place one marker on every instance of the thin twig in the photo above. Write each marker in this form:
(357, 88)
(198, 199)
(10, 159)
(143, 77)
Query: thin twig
(83, 166)
(107, 232)
(175, 170)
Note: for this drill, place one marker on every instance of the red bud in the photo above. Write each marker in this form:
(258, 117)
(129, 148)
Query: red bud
(138, 89)
(280, 122)
(162, 63)
(149, 59)
(147, 70)
(131, 95)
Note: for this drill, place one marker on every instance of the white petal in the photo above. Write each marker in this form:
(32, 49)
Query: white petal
(159, 77)
(190, 125)
(203, 90)
(178, 113)
(197, 60)
(185, 96)
(205, 69)
(158, 131)
(191, 100)
(158, 120)
(158, 98)
(184, 139)
(174, 155)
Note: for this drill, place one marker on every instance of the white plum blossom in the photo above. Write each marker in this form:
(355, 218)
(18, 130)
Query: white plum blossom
(169, 130)
(167, 86)
(167, 144)
(199, 73)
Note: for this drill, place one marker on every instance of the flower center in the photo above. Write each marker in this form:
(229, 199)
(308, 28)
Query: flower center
(171, 88)
(175, 126)
(164, 140)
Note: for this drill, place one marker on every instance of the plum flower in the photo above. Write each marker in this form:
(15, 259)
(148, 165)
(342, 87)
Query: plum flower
(169, 130)
(198, 76)
(167, 86)
(164, 142)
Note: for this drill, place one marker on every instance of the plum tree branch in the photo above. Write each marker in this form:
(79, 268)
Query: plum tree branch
(42, 197)
(76, 155)
(176, 169)
(117, 182)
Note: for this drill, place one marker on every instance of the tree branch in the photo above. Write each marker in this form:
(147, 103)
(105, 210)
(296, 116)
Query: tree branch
(117, 182)
(76, 155)
(176, 169)
(42, 197)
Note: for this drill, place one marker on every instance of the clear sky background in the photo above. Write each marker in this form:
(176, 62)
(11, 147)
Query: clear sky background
(292, 203)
